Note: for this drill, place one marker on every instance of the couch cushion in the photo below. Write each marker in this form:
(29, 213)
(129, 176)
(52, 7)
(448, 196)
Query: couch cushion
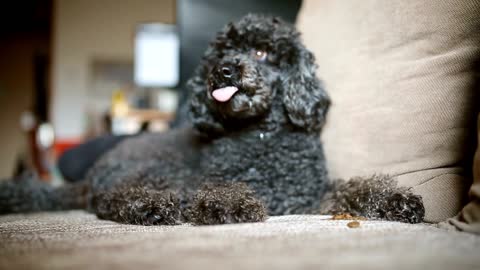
(400, 77)
(77, 240)
(469, 218)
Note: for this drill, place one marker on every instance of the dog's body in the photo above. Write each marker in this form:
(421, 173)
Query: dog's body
(284, 169)
(257, 108)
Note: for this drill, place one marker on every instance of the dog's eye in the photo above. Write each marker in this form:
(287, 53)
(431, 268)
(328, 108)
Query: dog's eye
(260, 55)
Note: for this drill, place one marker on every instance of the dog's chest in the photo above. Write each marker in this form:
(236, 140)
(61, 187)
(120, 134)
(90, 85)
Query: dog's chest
(251, 156)
(285, 167)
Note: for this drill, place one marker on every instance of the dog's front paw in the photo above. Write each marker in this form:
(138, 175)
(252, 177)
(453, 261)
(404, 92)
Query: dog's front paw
(160, 208)
(376, 197)
(227, 203)
(139, 205)
(404, 206)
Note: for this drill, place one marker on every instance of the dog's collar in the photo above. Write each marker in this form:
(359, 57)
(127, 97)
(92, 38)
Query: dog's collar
(264, 135)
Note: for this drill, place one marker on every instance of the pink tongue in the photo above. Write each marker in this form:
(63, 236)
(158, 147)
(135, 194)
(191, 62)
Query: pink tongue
(224, 94)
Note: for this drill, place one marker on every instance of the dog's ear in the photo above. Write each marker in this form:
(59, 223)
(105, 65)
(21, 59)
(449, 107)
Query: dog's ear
(305, 100)
(200, 114)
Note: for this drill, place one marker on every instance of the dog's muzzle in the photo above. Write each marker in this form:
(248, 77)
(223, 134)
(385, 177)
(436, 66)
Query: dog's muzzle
(224, 81)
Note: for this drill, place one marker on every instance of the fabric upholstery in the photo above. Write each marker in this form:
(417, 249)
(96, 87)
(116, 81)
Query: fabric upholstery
(400, 75)
(77, 240)
(469, 218)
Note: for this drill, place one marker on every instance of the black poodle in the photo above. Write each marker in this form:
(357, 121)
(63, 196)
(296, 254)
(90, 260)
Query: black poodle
(257, 108)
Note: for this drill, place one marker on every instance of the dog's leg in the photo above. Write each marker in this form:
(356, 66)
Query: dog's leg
(137, 204)
(28, 193)
(377, 197)
(226, 203)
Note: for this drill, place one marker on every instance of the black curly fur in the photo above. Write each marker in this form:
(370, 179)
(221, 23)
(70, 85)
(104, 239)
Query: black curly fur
(255, 154)
(376, 197)
(29, 193)
(289, 69)
(227, 203)
(137, 203)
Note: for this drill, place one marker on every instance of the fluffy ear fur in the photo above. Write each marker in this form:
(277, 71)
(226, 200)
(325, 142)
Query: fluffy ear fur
(305, 100)
(200, 115)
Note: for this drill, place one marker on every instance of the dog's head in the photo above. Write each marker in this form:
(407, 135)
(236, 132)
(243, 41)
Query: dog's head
(254, 68)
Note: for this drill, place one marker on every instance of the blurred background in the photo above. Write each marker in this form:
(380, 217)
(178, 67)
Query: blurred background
(75, 70)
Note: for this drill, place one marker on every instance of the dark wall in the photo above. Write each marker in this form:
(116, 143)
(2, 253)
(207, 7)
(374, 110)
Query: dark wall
(25, 17)
(200, 20)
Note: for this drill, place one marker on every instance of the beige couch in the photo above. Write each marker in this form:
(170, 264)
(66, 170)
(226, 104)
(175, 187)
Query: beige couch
(77, 240)
(401, 78)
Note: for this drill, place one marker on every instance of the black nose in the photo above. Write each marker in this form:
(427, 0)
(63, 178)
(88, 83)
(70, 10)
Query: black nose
(226, 71)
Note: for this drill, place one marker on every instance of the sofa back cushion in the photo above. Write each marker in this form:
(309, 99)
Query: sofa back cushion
(400, 75)
(469, 218)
